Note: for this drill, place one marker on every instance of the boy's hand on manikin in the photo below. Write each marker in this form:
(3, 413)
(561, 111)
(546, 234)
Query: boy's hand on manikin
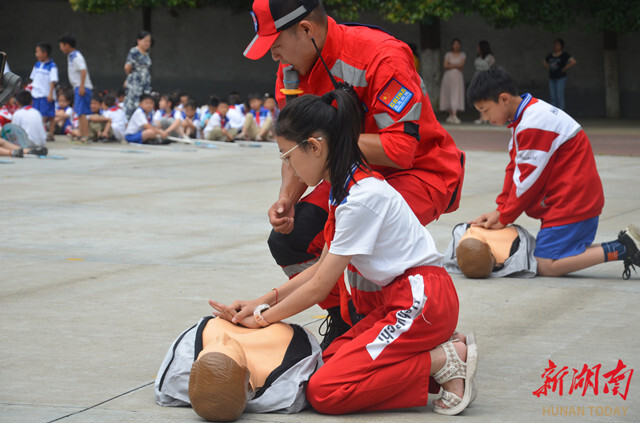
(489, 220)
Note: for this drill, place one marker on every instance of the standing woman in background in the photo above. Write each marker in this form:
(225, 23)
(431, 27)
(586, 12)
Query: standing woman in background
(484, 61)
(558, 62)
(452, 87)
(138, 70)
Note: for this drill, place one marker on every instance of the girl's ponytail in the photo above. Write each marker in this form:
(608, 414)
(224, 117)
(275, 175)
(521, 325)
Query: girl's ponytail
(344, 151)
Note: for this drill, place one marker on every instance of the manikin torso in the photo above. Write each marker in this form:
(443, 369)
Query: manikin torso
(499, 240)
(260, 350)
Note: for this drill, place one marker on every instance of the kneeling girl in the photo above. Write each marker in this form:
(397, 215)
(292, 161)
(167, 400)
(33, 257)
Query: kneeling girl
(385, 361)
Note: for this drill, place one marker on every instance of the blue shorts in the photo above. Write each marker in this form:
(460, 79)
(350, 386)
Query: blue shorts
(82, 104)
(563, 241)
(137, 137)
(46, 108)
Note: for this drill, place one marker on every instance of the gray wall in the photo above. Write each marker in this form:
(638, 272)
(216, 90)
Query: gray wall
(521, 51)
(200, 51)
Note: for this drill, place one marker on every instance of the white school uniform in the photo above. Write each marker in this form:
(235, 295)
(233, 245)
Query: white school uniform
(137, 122)
(118, 121)
(30, 119)
(162, 114)
(75, 65)
(236, 118)
(42, 75)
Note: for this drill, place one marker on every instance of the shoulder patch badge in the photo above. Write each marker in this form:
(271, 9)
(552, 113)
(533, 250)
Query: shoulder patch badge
(395, 96)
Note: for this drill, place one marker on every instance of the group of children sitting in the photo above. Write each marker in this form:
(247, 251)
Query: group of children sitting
(18, 117)
(219, 120)
(45, 108)
(156, 119)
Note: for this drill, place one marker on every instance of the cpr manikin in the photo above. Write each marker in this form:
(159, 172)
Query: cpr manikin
(223, 370)
(481, 252)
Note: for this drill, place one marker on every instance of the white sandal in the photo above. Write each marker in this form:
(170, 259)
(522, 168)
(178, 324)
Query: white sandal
(474, 383)
(455, 368)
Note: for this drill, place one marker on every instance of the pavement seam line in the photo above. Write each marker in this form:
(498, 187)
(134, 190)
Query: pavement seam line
(100, 403)
(130, 391)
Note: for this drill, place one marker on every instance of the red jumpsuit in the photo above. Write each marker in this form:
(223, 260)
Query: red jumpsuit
(431, 168)
(383, 362)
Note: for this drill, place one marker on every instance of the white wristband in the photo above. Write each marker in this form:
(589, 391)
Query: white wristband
(257, 314)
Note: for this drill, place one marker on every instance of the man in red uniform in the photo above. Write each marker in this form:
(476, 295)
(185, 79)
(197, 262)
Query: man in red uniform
(401, 137)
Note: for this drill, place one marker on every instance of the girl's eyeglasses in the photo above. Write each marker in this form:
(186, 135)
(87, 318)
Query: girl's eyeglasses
(285, 156)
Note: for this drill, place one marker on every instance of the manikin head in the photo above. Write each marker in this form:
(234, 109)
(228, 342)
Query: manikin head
(219, 386)
(475, 259)
(482, 251)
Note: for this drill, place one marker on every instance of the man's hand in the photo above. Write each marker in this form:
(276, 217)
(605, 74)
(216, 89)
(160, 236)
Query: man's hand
(281, 216)
(81, 90)
(489, 220)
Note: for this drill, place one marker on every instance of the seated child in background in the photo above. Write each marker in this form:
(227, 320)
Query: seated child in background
(98, 122)
(120, 94)
(551, 176)
(219, 126)
(236, 113)
(65, 115)
(29, 118)
(117, 118)
(272, 106)
(167, 118)
(44, 76)
(6, 111)
(184, 98)
(235, 102)
(139, 129)
(190, 120)
(257, 122)
(207, 111)
(9, 149)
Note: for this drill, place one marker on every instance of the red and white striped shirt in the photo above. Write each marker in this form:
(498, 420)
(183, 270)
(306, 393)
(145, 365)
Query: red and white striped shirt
(552, 174)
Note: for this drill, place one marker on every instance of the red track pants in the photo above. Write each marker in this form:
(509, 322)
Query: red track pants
(383, 362)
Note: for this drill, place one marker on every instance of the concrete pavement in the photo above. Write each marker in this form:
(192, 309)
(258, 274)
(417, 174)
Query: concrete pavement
(111, 252)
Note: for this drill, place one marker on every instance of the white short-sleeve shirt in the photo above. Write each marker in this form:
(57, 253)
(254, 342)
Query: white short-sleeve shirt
(118, 121)
(236, 118)
(137, 122)
(30, 119)
(42, 75)
(75, 65)
(160, 114)
(376, 226)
